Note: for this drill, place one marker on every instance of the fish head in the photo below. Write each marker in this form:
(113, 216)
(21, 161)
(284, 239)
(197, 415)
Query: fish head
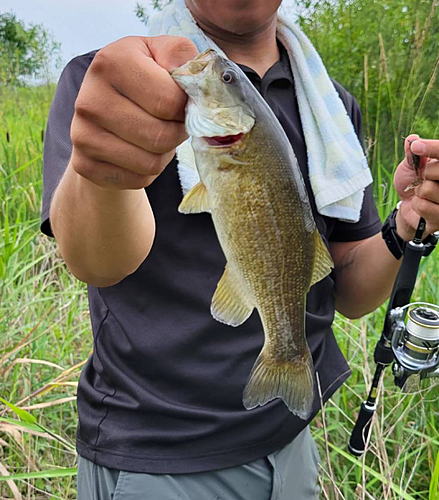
(217, 110)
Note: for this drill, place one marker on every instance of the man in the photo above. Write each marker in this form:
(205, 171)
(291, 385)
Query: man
(160, 401)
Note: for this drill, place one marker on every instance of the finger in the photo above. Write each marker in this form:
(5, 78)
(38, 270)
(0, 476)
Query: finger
(410, 219)
(428, 210)
(432, 171)
(103, 146)
(130, 68)
(171, 52)
(426, 147)
(407, 147)
(127, 120)
(410, 155)
(107, 175)
(428, 190)
(413, 219)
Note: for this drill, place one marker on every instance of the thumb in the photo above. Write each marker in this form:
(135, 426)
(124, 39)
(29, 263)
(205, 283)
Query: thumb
(171, 52)
(408, 148)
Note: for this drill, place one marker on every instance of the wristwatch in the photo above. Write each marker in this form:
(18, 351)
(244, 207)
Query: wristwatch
(393, 241)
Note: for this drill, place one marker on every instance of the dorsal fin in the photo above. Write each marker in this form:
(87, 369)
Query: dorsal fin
(323, 262)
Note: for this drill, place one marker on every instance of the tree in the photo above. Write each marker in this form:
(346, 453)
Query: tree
(386, 54)
(142, 12)
(24, 52)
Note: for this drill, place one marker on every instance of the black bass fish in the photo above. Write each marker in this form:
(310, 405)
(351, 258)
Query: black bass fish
(252, 185)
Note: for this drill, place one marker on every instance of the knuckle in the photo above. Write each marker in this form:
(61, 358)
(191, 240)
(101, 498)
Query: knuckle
(420, 205)
(79, 136)
(81, 165)
(184, 46)
(84, 107)
(432, 171)
(125, 41)
(156, 165)
(175, 44)
(102, 61)
(423, 190)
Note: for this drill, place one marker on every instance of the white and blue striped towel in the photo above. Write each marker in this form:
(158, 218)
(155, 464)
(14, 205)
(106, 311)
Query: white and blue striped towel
(338, 169)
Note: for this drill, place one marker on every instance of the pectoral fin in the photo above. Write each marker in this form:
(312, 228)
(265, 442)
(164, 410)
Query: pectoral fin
(230, 304)
(228, 162)
(196, 201)
(323, 262)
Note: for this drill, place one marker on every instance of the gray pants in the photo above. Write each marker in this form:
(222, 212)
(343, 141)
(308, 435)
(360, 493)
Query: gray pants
(287, 474)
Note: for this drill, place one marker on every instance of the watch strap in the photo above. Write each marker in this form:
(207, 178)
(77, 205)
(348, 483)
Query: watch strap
(393, 241)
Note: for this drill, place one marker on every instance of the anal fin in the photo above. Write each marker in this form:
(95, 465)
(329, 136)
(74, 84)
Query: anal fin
(230, 304)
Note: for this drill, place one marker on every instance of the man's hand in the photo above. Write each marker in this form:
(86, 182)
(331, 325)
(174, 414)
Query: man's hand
(129, 114)
(128, 120)
(353, 260)
(423, 200)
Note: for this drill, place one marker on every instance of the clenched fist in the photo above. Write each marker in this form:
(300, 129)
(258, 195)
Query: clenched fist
(129, 114)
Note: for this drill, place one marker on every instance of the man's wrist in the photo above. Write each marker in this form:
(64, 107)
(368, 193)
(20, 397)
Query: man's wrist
(393, 240)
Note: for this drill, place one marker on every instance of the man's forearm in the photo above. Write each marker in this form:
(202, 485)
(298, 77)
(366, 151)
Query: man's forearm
(103, 235)
(364, 277)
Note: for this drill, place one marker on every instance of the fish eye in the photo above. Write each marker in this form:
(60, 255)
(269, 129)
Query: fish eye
(229, 76)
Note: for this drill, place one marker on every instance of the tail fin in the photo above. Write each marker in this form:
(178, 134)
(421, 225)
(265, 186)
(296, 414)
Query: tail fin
(292, 381)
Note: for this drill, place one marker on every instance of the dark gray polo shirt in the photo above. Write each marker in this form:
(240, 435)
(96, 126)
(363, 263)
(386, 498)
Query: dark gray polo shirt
(162, 391)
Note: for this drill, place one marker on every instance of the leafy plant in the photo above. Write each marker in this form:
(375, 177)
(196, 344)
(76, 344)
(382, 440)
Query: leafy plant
(24, 52)
(142, 12)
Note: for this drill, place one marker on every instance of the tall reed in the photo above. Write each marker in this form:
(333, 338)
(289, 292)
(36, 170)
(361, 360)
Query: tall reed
(45, 333)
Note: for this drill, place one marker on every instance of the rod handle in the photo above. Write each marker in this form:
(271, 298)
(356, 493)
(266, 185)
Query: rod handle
(360, 433)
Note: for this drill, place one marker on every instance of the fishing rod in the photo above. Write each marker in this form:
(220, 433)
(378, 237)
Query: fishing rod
(412, 344)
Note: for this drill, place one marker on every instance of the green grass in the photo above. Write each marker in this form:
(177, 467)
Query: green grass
(43, 309)
(46, 336)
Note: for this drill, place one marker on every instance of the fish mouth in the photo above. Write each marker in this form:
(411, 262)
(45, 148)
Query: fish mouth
(224, 142)
(195, 66)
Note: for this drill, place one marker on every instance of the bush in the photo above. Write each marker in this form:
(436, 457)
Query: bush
(25, 53)
(386, 54)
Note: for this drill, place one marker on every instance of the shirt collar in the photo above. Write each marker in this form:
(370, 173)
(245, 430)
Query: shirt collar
(281, 70)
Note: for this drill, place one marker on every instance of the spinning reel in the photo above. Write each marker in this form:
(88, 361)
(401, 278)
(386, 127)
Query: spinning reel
(415, 344)
(410, 337)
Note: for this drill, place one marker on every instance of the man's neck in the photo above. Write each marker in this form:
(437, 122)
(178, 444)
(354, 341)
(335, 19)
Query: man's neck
(257, 50)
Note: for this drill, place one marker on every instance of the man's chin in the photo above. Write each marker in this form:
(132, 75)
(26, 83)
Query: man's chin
(245, 28)
(237, 17)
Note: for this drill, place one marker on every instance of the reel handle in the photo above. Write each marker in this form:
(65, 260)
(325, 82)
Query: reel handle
(360, 433)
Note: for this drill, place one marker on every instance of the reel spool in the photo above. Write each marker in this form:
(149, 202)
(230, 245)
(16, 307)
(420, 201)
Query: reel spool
(415, 345)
